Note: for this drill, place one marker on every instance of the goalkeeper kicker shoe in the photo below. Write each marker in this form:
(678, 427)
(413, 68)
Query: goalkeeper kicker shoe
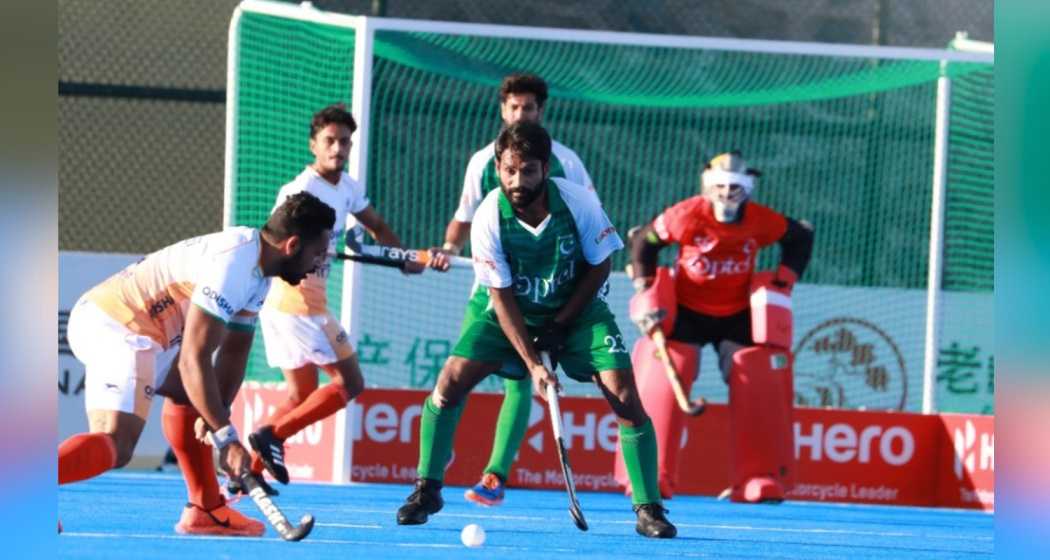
(652, 523)
(271, 452)
(222, 520)
(488, 492)
(423, 502)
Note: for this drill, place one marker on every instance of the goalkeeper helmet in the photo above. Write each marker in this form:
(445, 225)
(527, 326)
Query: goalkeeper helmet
(727, 182)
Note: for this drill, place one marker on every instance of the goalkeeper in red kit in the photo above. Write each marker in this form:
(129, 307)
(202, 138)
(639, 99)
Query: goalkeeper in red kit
(707, 298)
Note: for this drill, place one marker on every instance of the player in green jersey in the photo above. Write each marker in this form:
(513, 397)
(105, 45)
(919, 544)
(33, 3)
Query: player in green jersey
(523, 97)
(542, 248)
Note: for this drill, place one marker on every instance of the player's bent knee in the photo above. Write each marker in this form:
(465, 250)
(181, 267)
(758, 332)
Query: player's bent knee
(124, 455)
(353, 386)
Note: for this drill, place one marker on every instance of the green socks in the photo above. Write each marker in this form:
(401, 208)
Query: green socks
(437, 427)
(639, 456)
(511, 426)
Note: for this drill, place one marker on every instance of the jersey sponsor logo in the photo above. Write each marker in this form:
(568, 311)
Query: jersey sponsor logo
(487, 262)
(219, 300)
(708, 242)
(537, 288)
(161, 305)
(605, 233)
(706, 267)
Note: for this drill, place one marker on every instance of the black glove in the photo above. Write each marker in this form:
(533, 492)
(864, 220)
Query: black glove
(551, 338)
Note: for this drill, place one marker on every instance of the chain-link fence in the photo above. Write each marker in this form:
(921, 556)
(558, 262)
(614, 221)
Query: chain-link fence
(141, 83)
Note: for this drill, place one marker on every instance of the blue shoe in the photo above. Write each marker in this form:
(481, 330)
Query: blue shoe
(488, 492)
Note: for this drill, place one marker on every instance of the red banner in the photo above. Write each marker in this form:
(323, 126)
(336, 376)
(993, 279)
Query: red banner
(966, 464)
(843, 456)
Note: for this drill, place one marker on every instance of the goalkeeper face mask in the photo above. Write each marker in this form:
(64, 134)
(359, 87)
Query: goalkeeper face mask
(727, 183)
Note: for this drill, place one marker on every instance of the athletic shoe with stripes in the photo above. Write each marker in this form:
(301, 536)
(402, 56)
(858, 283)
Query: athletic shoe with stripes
(488, 492)
(271, 452)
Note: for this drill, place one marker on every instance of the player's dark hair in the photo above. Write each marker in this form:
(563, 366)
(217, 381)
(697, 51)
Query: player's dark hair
(517, 84)
(301, 214)
(528, 140)
(332, 114)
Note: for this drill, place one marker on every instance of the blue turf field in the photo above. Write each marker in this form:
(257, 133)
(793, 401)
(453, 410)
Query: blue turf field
(131, 515)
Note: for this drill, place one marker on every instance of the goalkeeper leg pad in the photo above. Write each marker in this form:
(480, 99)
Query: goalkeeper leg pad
(761, 410)
(658, 399)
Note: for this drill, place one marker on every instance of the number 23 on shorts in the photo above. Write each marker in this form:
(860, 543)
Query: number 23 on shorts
(615, 344)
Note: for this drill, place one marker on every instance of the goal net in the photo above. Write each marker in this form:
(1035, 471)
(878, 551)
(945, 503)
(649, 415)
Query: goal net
(844, 137)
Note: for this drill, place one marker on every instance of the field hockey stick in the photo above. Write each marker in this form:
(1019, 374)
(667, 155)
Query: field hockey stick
(692, 408)
(395, 257)
(273, 514)
(563, 456)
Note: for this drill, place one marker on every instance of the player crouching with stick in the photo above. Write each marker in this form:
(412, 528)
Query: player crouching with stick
(542, 247)
(714, 296)
(179, 323)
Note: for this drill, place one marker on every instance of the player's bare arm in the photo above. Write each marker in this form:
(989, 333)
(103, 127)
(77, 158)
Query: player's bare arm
(231, 362)
(202, 336)
(377, 227)
(456, 235)
(513, 325)
(591, 280)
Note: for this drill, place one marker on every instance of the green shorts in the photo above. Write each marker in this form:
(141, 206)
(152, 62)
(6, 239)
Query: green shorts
(594, 343)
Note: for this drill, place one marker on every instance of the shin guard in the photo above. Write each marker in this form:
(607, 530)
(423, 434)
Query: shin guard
(762, 442)
(659, 401)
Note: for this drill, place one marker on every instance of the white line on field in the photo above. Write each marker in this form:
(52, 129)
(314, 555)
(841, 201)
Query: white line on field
(91, 535)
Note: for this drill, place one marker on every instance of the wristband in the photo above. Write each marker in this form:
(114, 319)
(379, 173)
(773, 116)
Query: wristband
(223, 436)
(451, 248)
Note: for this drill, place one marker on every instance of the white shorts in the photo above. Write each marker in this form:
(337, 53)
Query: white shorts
(293, 341)
(122, 368)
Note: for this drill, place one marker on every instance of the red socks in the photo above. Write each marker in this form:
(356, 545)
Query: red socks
(195, 457)
(85, 456)
(320, 404)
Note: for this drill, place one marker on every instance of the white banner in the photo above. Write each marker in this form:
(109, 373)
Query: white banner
(78, 272)
(855, 347)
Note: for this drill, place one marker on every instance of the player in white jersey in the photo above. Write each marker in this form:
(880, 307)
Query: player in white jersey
(522, 99)
(179, 323)
(299, 331)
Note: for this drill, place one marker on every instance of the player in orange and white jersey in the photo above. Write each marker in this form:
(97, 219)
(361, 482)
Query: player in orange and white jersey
(299, 331)
(179, 323)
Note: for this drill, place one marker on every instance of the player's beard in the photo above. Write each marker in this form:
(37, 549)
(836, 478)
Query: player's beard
(529, 195)
(291, 269)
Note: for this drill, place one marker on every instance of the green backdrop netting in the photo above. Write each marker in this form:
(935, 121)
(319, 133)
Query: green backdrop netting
(846, 143)
(287, 70)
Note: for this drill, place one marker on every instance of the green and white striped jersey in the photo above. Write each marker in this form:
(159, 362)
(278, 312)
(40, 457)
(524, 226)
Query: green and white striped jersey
(481, 177)
(541, 263)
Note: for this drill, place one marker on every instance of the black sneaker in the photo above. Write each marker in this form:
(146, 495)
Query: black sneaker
(271, 452)
(652, 523)
(235, 487)
(424, 501)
